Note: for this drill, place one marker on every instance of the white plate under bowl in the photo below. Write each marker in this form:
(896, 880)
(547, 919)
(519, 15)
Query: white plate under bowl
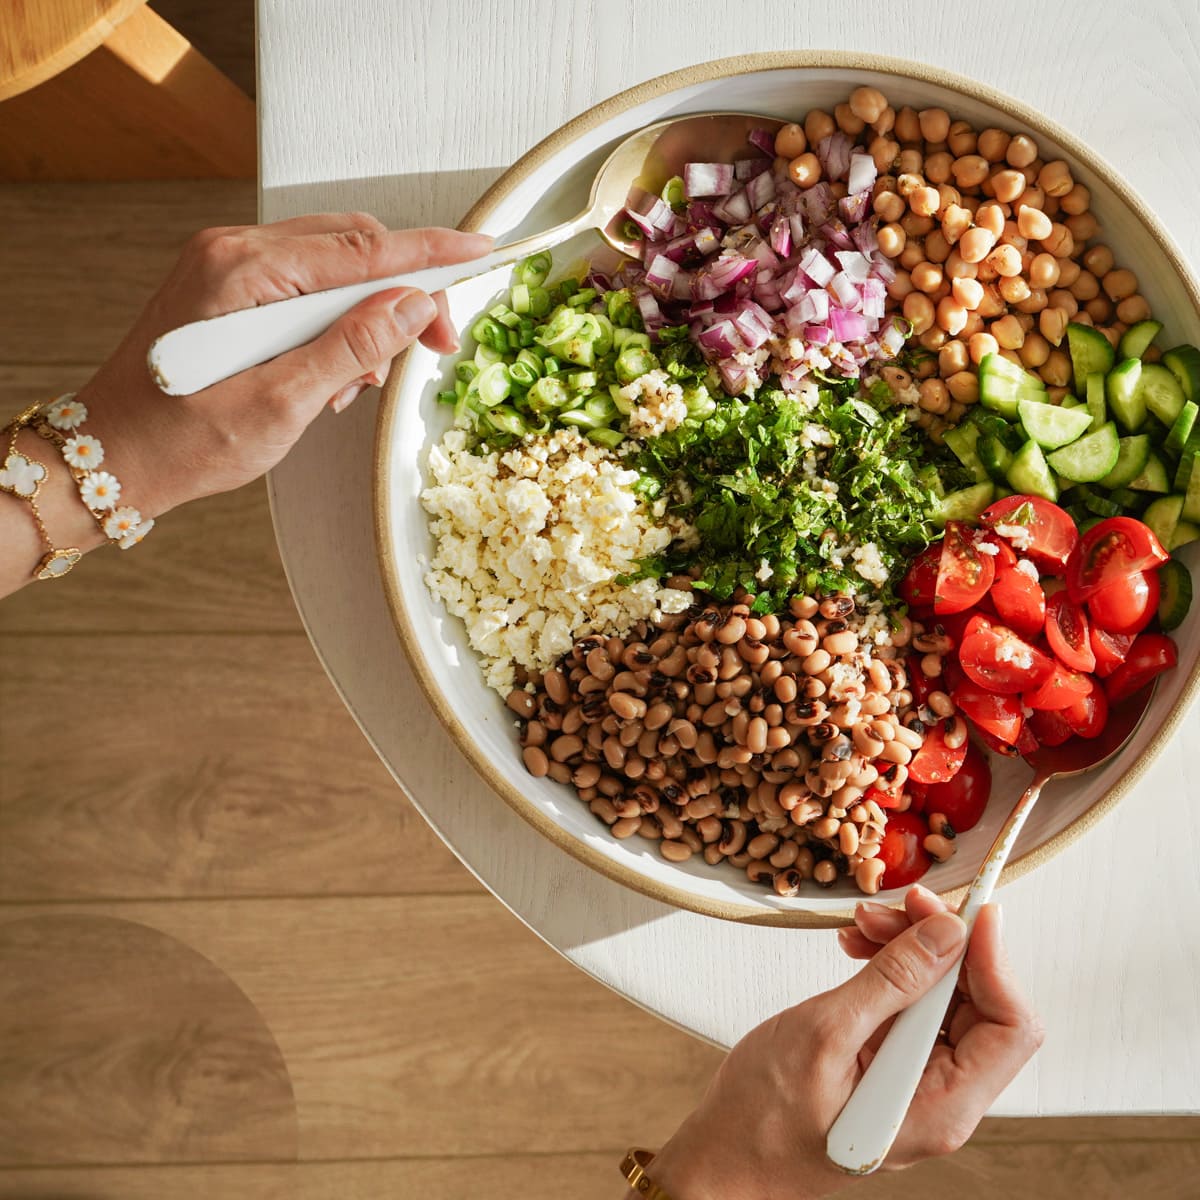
(551, 184)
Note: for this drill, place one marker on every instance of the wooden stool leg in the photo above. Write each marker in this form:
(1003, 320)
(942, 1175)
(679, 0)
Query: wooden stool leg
(144, 105)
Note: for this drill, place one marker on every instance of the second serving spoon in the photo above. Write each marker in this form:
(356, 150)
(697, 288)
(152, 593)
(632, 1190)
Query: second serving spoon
(196, 356)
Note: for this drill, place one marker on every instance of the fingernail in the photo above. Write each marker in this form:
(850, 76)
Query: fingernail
(347, 396)
(869, 906)
(942, 933)
(377, 377)
(414, 312)
(917, 889)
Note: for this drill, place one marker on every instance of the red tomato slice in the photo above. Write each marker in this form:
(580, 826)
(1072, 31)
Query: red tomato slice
(1050, 533)
(962, 800)
(936, 762)
(1089, 714)
(1005, 556)
(1128, 604)
(1061, 690)
(1050, 728)
(919, 683)
(1019, 599)
(1111, 550)
(964, 572)
(1150, 655)
(997, 659)
(1110, 650)
(1068, 633)
(1000, 716)
(919, 586)
(902, 850)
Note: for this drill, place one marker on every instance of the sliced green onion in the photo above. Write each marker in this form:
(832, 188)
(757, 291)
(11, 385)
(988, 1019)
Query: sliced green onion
(486, 355)
(523, 374)
(489, 332)
(568, 287)
(622, 309)
(465, 371)
(623, 405)
(534, 270)
(507, 420)
(492, 384)
(526, 332)
(539, 302)
(632, 362)
(674, 194)
(546, 394)
(580, 381)
(631, 231)
(582, 298)
(447, 397)
(519, 298)
(611, 438)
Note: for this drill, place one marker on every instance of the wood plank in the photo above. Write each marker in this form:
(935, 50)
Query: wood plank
(425, 1026)
(227, 767)
(112, 245)
(222, 30)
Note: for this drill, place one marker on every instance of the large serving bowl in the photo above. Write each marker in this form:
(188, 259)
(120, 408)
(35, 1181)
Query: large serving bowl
(550, 184)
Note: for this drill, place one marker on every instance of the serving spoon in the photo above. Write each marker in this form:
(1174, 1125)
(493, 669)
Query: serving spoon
(196, 356)
(865, 1129)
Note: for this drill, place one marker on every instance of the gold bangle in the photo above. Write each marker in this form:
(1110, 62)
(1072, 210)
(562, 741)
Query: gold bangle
(22, 476)
(633, 1168)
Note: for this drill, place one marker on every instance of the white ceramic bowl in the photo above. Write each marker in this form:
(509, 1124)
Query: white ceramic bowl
(551, 184)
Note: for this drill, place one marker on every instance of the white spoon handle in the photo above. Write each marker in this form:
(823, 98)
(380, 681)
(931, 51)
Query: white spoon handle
(196, 356)
(865, 1129)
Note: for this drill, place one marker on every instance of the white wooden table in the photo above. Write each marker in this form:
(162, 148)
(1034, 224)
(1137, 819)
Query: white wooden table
(410, 110)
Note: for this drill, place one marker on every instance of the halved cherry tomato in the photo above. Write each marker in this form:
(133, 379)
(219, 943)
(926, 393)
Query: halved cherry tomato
(1111, 550)
(1150, 655)
(919, 585)
(1128, 604)
(1068, 633)
(1019, 599)
(936, 762)
(1001, 661)
(919, 683)
(1061, 690)
(1001, 716)
(902, 850)
(1050, 728)
(964, 572)
(996, 746)
(962, 800)
(1050, 532)
(1110, 650)
(916, 796)
(1089, 714)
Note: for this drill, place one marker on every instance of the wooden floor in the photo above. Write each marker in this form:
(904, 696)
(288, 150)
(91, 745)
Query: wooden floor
(233, 961)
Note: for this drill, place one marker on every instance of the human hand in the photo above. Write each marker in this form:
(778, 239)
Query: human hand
(760, 1129)
(167, 450)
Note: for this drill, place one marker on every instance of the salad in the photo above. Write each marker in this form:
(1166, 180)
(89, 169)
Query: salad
(870, 467)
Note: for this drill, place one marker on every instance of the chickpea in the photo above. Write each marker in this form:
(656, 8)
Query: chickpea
(908, 182)
(884, 151)
(1034, 349)
(910, 161)
(847, 121)
(934, 396)
(1133, 308)
(913, 254)
(937, 249)
(1055, 178)
(970, 170)
(1051, 206)
(818, 125)
(956, 220)
(990, 216)
(889, 207)
(927, 366)
(924, 201)
(1033, 223)
(1061, 298)
(1008, 185)
(935, 124)
(1056, 370)
(1034, 197)
(1005, 261)
(908, 125)
(976, 244)
(1153, 354)
(1119, 284)
(991, 305)
(1068, 272)
(867, 103)
(1043, 271)
(947, 195)
(993, 144)
(1008, 332)
(956, 267)
(1013, 289)
(953, 357)
(937, 168)
(885, 122)
(981, 345)
(951, 315)
(1034, 302)
(1011, 355)
(968, 292)
(1052, 324)
(927, 277)
(1085, 287)
(916, 226)
(805, 170)
(1100, 309)
(1083, 227)
(1060, 243)
(963, 387)
(1098, 260)
(1078, 200)
(790, 141)
(918, 309)
(961, 140)
(1020, 151)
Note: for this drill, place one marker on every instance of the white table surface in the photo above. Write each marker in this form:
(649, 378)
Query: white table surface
(409, 110)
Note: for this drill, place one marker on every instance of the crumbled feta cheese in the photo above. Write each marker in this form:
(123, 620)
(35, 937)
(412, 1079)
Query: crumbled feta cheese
(1027, 568)
(988, 548)
(658, 405)
(869, 564)
(1020, 536)
(764, 572)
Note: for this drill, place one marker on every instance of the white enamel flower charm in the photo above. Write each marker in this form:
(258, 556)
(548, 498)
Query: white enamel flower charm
(100, 490)
(66, 412)
(122, 523)
(83, 452)
(132, 538)
(58, 563)
(22, 476)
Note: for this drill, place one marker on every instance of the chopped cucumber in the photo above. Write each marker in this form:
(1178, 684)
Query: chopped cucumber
(1184, 363)
(1138, 338)
(1089, 459)
(1090, 354)
(1125, 397)
(1162, 517)
(929, 478)
(965, 505)
(1029, 473)
(1162, 392)
(1071, 402)
(963, 439)
(1182, 429)
(1102, 506)
(1176, 598)
(1191, 499)
(1153, 478)
(1185, 532)
(1095, 401)
(1191, 450)
(1130, 501)
(1052, 427)
(996, 458)
(1002, 384)
(1132, 456)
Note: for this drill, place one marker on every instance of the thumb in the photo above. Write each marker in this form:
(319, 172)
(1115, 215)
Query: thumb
(903, 971)
(364, 340)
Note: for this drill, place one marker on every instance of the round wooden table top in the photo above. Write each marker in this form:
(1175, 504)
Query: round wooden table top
(44, 37)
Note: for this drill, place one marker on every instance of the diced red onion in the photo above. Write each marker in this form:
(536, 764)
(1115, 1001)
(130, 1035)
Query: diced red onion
(883, 267)
(818, 202)
(833, 152)
(816, 266)
(764, 139)
(862, 173)
(763, 255)
(855, 265)
(818, 335)
(864, 238)
(874, 298)
(734, 210)
(754, 329)
(681, 289)
(796, 221)
(721, 339)
(760, 190)
(707, 240)
(734, 377)
(707, 179)
(660, 274)
(854, 209)
(781, 236)
(837, 235)
(652, 315)
(893, 338)
(847, 326)
(721, 274)
(747, 168)
(680, 248)
(844, 290)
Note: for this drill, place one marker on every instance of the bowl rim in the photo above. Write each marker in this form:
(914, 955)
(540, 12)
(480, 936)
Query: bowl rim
(520, 171)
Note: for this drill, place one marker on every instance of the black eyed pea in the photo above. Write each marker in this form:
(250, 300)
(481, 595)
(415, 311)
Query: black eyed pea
(787, 883)
(759, 871)
(868, 875)
(939, 847)
(626, 827)
(825, 873)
